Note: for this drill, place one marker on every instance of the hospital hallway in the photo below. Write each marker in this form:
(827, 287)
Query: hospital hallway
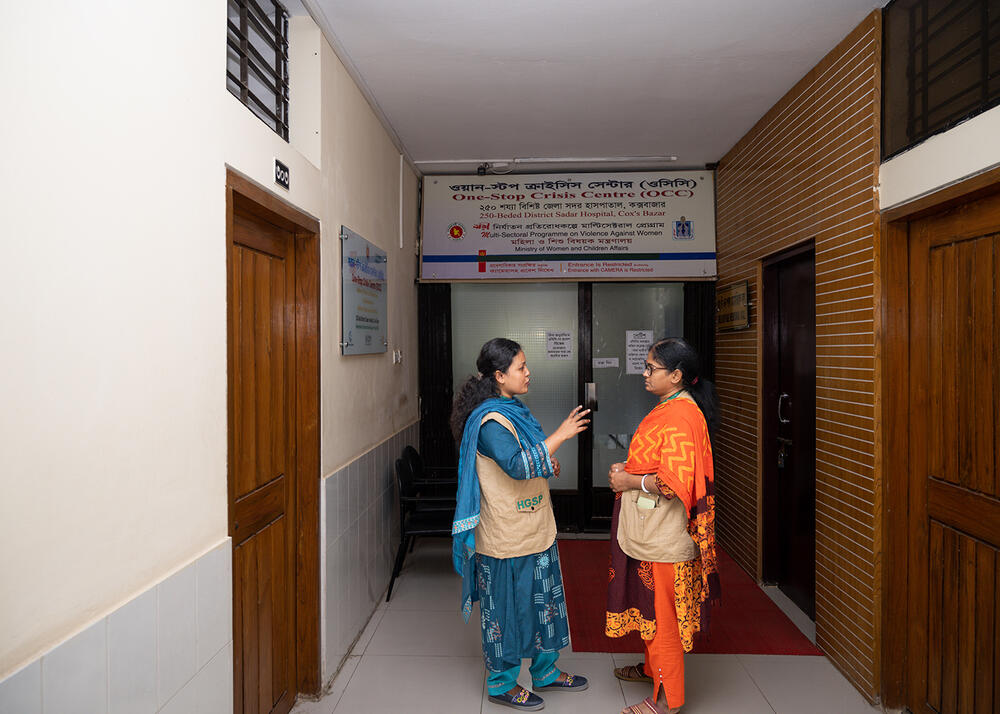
(288, 281)
(417, 656)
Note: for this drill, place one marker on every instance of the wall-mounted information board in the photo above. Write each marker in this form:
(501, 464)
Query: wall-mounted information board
(575, 226)
(363, 295)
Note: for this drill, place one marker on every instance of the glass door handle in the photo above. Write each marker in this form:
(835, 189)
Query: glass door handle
(781, 400)
(590, 396)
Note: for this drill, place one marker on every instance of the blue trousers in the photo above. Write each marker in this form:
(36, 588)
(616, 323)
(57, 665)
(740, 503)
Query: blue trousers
(543, 671)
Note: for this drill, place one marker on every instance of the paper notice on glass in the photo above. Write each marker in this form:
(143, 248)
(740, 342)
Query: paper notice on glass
(559, 345)
(605, 362)
(637, 344)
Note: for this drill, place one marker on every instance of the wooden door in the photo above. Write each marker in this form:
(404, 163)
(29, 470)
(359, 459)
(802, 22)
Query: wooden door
(262, 484)
(953, 631)
(789, 413)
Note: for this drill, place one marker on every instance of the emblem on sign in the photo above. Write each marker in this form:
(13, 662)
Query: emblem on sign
(456, 231)
(683, 229)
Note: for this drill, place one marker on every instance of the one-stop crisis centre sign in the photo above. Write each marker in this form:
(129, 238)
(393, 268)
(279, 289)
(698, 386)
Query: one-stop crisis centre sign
(570, 226)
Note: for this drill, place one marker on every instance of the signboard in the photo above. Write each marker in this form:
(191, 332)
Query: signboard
(575, 226)
(731, 306)
(559, 345)
(637, 344)
(363, 295)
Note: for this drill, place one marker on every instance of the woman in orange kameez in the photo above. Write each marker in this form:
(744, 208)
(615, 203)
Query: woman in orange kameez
(670, 456)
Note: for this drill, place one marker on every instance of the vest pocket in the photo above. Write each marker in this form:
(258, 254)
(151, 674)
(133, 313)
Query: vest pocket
(531, 503)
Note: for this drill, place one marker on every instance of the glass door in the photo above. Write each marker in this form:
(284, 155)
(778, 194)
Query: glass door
(626, 319)
(542, 318)
(547, 319)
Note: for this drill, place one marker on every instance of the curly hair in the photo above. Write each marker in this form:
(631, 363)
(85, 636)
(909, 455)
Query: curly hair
(495, 356)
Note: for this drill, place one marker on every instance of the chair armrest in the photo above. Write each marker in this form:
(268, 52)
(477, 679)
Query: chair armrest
(435, 482)
(430, 500)
(441, 471)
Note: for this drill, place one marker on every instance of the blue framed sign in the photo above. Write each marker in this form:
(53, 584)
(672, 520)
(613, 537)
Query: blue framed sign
(363, 296)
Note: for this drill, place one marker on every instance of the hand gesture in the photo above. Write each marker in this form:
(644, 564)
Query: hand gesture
(573, 424)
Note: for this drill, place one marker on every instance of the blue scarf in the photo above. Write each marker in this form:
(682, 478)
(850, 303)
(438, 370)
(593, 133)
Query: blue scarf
(463, 532)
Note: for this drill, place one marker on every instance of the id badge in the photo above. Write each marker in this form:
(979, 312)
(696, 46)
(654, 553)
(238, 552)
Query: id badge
(645, 502)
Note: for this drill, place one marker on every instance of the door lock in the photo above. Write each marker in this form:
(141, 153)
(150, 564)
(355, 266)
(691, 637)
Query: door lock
(783, 447)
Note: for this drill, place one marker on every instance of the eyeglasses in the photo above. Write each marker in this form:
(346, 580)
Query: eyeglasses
(648, 368)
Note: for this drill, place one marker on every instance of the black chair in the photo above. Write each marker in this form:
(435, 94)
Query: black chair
(421, 513)
(439, 475)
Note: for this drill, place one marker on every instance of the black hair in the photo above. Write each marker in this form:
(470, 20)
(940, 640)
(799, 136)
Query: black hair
(674, 353)
(495, 356)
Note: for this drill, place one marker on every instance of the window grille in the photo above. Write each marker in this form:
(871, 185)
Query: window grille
(941, 65)
(257, 66)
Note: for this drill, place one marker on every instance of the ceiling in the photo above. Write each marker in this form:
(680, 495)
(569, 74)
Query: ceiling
(459, 83)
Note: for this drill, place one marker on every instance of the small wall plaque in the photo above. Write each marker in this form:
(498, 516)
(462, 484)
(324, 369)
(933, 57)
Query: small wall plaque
(732, 306)
(281, 174)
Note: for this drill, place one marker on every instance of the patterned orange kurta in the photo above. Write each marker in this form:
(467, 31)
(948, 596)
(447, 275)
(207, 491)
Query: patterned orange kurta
(672, 441)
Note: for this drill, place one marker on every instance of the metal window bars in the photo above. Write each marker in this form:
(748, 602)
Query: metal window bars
(952, 65)
(257, 71)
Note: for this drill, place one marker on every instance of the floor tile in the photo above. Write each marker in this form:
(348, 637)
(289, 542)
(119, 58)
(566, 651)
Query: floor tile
(798, 684)
(328, 702)
(713, 684)
(427, 586)
(404, 632)
(416, 685)
(368, 633)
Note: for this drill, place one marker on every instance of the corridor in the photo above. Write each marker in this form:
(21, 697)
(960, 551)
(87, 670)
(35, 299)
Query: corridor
(416, 656)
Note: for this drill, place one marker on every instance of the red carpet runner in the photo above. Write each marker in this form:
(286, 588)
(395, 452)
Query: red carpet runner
(748, 622)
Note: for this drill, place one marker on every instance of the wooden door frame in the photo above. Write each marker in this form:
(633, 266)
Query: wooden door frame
(251, 198)
(892, 450)
(767, 379)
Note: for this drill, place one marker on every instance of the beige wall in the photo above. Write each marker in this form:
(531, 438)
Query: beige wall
(365, 397)
(966, 150)
(113, 376)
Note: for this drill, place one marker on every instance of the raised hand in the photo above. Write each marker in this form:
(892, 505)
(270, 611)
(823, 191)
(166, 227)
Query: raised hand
(575, 423)
(572, 425)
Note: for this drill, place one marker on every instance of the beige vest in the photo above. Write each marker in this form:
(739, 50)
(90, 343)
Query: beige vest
(656, 534)
(515, 515)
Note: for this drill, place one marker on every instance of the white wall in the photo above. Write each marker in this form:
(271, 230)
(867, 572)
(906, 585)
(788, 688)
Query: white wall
(966, 150)
(113, 372)
(365, 397)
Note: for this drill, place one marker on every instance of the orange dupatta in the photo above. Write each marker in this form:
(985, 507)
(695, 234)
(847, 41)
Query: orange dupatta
(672, 441)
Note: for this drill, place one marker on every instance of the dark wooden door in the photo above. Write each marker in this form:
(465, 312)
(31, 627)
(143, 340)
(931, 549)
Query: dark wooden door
(262, 463)
(954, 490)
(790, 428)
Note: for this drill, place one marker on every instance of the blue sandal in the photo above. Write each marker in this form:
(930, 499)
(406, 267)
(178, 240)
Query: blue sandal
(572, 683)
(523, 700)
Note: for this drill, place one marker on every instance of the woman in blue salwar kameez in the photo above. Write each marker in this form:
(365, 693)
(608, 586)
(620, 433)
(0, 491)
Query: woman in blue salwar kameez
(504, 531)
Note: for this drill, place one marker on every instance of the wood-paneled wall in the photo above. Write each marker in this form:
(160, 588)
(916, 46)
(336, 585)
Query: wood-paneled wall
(808, 171)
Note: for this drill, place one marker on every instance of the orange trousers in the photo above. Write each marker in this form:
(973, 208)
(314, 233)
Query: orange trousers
(664, 653)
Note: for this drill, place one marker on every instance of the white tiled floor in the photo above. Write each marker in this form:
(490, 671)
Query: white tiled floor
(417, 656)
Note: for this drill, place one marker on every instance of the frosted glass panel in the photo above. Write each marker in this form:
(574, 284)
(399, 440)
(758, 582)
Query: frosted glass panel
(622, 398)
(524, 313)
